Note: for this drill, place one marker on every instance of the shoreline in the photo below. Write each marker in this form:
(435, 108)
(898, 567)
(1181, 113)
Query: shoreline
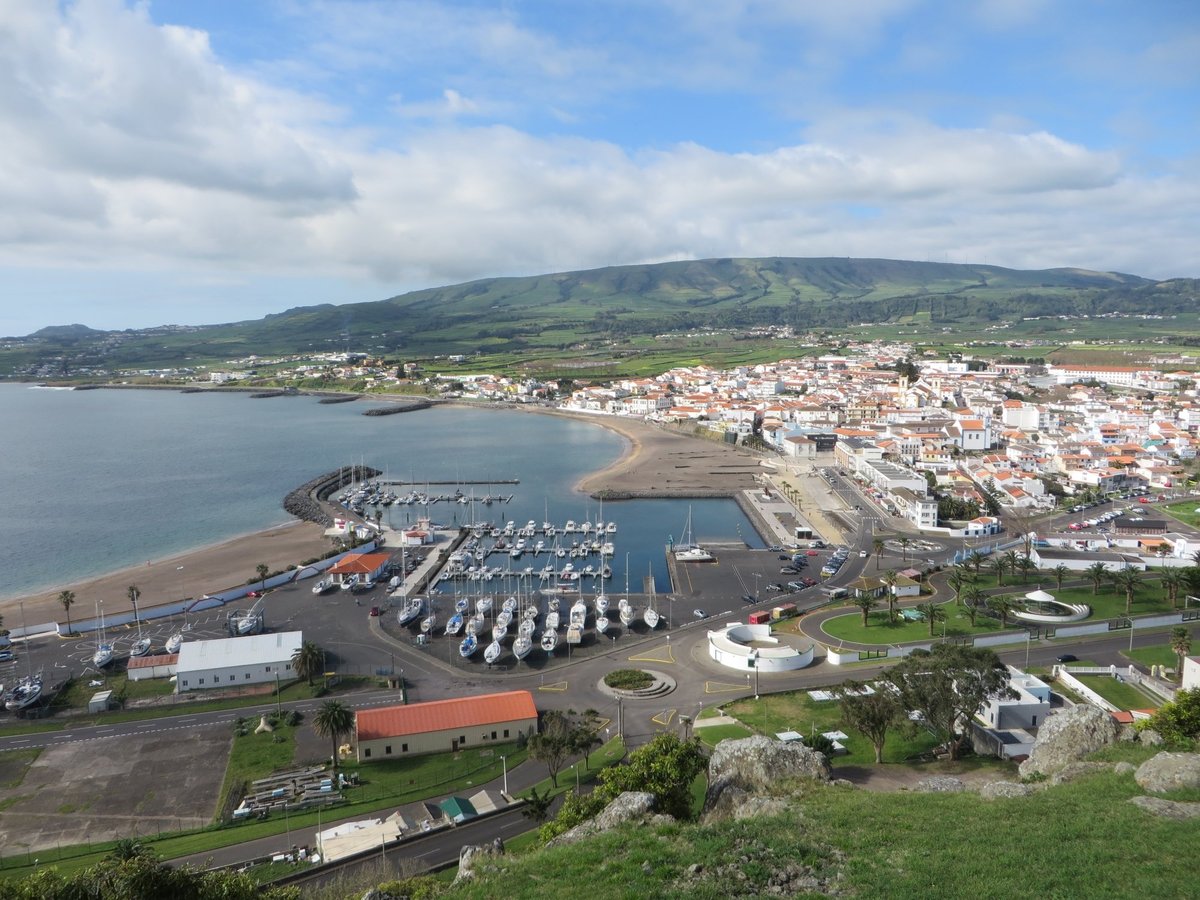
(654, 463)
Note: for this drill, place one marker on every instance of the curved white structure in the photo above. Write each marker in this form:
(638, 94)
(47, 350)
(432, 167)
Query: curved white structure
(731, 647)
(1071, 612)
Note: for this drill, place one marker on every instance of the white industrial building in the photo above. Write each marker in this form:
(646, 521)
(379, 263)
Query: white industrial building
(236, 662)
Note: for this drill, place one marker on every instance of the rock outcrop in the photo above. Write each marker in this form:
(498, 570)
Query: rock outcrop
(940, 784)
(1169, 772)
(1006, 790)
(472, 855)
(631, 806)
(1080, 769)
(756, 765)
(1167, 809)
(1067, 736)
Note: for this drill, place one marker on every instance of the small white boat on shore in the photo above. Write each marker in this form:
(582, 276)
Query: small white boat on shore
(411, 610)
(174, 642)
(324, 586)
(492, 652)
(549, 640)
(521, 646)
(602, 624)
(468, 646)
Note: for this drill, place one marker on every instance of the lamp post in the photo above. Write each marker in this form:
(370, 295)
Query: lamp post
(504, 763)
(757, 582)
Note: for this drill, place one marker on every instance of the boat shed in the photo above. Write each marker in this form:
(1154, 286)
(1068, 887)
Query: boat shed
(140, 668)
(225, 663)
(441, 725)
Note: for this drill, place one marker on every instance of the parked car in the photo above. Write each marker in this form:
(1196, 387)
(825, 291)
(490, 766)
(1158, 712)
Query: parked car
(774, 586)
(6, 656)
(375, 611)
(699, 614)
(798, 585)
(807, 581)
(813, 553)
(775, 549)
(788, 570)
(1068, 657)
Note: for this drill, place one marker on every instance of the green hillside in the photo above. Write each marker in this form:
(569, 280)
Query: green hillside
(619, 304)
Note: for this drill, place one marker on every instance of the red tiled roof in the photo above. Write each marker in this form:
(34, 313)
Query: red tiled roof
(444, 715)
(361, 563)
(146, 662)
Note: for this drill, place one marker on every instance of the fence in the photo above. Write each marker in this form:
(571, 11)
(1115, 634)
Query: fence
(1082, 689)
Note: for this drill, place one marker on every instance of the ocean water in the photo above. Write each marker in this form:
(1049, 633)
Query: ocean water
(94, 481)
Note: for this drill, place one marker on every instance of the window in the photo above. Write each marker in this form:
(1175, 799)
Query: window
(387, 750)
(247, 676)
(287, 667)
(367, 753)
(462, 739)
(267, 669)
(404, 748)
(493, 735)
(202, 681)
(185, 684)
(506, 732)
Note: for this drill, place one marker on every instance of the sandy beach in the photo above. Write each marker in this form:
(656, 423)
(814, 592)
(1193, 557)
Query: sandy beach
(656, 462)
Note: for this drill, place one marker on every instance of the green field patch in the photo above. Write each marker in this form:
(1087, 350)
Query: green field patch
(880, 631)
(1161, 655)
(1120, 694)
(714, 734)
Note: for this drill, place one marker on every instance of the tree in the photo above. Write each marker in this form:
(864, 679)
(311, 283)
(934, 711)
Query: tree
(665, 767)
(67, 599)
(947, 685)
(537, 806)
(1178, 721)
(972, 598)
(865, 601)
(1181, 646)
(1026, 565)
(1060, 572)
(332, 720)
(1171, 582)
(877, 546)
(904, 545)
(889, 579)
(263, 570)
(933, 614)
(999, 566)
(975, 561)
(957, 580)
(1003, 607)
(133, 592)
(1127, 580)
(1097, 572)
(554, 742)
(309, 661)
(873, 713)
(1011, 561)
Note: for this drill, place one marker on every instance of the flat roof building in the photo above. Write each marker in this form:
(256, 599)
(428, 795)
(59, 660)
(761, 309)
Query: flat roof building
(237, 661)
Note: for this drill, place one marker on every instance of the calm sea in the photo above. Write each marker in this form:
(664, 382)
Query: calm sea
(94, 481)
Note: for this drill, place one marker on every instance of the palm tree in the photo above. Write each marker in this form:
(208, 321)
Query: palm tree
(904, 543)
(133, 592)
(1011, 561)
(67, 599)
(1060, 572)
(308, 661)
(877, 546)
(1026, 565)
(957, 580)
(866, 602)
(889, 580)
(972, 598)
(1181, 646)
(1171, 582)
(999, 567)
(1127, 580)
(1097, 572)
(1002, 606)
(933, 614)
(975, 561)
(332, 720)
(263, 571)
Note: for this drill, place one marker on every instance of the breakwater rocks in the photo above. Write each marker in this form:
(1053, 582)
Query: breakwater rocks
(305, 501)
(667, 493)
(341, 398)
(266, 395)
(397, 408)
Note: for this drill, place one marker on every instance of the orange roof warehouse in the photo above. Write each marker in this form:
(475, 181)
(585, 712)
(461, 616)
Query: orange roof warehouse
(443, 725)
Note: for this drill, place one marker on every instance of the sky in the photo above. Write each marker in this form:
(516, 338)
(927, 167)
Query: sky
(182, 162)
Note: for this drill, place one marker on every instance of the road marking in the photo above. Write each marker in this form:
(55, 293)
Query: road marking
(554, 686)
(669, 714)
(721, 687)
(661, 654)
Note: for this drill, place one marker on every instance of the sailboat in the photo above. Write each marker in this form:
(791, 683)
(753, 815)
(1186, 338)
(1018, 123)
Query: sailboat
(549, 640)
(104, 650)
(411, 610)
(174, 642)
(602, 624)
(687, 550)
(142, 645)
(324, 585)
(522, 645)
(492, 652)
(468, 646)
(26, 693)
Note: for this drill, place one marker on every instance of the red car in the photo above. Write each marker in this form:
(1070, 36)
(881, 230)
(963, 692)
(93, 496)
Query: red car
(813, 553)
(374, 610)
(1143, 499)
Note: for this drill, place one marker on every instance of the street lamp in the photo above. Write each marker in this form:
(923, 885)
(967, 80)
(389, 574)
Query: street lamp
(504, 763)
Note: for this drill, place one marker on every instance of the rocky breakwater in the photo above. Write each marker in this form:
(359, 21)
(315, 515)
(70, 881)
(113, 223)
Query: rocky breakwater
(305, 501)
(394, 408)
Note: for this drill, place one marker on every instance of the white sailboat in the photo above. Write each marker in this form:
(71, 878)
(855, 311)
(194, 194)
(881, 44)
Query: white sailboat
(27, 692)
(174, 642)
(104, 650)
(468, 646)
(411, 610)
(492, 651)
(454, 626)
(687, 550)
(549, 640)
(522, 645)
(324, 585)
(602, 624)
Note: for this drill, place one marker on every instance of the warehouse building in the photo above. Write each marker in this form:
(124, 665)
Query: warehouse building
(443, 725)
(236, 662)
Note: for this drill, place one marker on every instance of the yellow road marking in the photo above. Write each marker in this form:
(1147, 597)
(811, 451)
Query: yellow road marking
(553, 686)
(664, 718)
(662, 654)
(722, 687)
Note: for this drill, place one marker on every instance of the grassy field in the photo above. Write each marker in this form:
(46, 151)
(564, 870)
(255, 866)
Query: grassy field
(1162, 655)
(714, 734)
(879, 631)
(1186, 511)
(895, 845)
(796, 711)
(1120, 694)
(256, 756)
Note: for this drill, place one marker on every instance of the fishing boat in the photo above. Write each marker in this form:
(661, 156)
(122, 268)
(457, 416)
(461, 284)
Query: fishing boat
(492, 651)
(411, 610)
(522, 645)
(324, 586)
(549, 640)
(468, 646)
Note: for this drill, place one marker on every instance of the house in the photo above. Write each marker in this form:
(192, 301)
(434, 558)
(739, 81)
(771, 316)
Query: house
(236, 662)
(366, 566)
(444, 725)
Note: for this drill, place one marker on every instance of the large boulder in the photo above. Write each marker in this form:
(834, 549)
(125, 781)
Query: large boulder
(757, 764)
(1067, 736)
(1167, 809)
(1169, 772)
(734, 803)
(1075, 770)
(631, 806)
(940, 784)
(472, 855)
(1006, 790)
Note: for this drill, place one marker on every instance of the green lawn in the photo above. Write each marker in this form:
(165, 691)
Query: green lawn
(1120, 694)
(879, 631)
(256, 756)
(1108, 604)
(714, 734)
(1186, 511)
(796, 711)
(1161, 655)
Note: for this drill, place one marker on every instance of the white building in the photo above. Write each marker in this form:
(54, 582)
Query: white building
(236, 662)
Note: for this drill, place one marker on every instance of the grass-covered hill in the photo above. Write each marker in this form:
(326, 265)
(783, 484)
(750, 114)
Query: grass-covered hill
(620, 303)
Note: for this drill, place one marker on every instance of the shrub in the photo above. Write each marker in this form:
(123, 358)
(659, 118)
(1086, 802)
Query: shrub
(628, 679)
